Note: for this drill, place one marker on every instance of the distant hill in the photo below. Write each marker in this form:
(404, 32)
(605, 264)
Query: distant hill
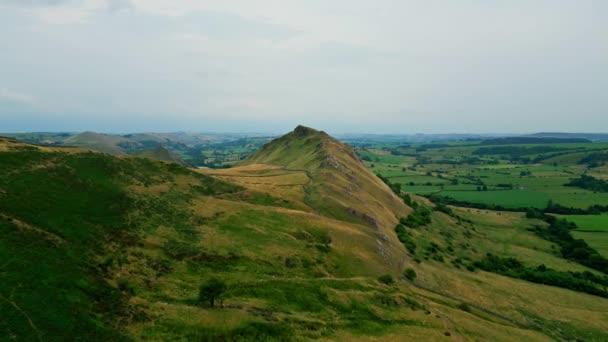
(161, 153)
(98, 142)
(533, 140)
(588, 136)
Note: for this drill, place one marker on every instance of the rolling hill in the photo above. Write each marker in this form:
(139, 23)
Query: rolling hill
(97, 142)
(162, 154)
(96, 247)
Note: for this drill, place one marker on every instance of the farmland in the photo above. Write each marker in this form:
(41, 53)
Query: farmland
(509, 176)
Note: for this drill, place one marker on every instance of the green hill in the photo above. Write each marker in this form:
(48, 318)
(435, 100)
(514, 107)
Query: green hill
(97, 142)
(162, 154)
(340, 184)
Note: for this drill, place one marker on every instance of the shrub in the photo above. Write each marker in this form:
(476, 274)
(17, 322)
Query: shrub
(409, 274)
(386, 279)
(464, 307)
(292, 262)
(211, 291)
(125, 287)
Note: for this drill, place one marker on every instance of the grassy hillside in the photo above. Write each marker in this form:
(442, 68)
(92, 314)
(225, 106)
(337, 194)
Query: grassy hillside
(59, 213)
(162, 154)
(95, 247)
(339, 185)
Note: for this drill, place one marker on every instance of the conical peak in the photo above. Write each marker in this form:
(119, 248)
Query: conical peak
(304, 131)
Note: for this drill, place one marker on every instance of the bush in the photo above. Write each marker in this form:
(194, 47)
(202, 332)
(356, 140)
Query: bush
(211, 291)
(292, 262)
(386, 279)
(409, 274)
(125, 287)
(464, 307)
(405, 238)
(420, 217)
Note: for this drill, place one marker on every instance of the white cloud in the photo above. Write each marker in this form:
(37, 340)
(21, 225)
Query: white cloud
(8, 95)
(68, 11)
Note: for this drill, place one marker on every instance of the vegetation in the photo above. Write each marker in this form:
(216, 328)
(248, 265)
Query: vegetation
(590, 183)
(406, 238)
(409, 274)
(386, 279)
(533, 140)
(580, 281)
(595, 159)
(573, 249)
(421, 216)
(211, 291)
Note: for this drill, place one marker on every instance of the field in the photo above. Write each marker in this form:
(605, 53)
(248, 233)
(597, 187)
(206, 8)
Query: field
(593, 229)
(510, 176)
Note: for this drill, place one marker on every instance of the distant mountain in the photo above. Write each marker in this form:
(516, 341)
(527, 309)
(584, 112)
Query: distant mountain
(161, 153)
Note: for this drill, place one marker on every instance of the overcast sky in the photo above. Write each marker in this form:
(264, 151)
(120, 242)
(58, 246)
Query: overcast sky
(378, 66)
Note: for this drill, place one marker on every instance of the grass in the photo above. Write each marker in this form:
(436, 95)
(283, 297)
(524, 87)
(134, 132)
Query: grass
(505, 198)
(589, 223)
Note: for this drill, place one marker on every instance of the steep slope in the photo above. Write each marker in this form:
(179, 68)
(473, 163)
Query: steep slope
(98, 142)
(340, 185)
(162, 154)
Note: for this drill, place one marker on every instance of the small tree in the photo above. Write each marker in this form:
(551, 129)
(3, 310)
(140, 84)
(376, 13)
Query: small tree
(410, 274)
(210, 291)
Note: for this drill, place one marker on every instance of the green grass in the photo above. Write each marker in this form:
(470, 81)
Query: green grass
(597, 240)
(505, 198)
(591, 223)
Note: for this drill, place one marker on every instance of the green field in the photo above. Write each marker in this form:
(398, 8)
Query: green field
(597, 240)
(505, 198)
(515, 176)
(590, 223)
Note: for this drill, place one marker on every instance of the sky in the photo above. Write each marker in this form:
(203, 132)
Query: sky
(344, 66)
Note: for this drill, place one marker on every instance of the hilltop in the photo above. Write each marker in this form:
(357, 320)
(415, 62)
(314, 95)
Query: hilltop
(340, 184)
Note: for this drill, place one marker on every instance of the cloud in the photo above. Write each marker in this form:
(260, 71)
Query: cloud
(34, 3)
(69, 11)
(8, 95)
(119, 5)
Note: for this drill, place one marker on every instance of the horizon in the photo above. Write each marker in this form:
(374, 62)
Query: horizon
(275, 133)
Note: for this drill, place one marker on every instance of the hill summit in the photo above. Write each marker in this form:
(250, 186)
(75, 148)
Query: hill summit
(340, 185)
